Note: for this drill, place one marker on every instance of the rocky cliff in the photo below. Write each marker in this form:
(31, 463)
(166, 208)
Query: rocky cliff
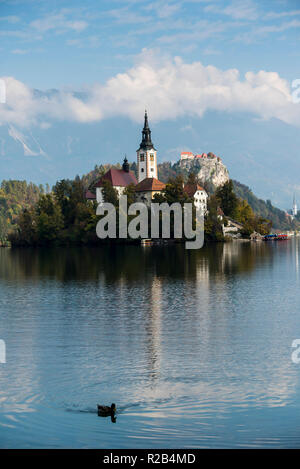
(211, 171)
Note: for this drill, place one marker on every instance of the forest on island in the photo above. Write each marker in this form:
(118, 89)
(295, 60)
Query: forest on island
(36, 215)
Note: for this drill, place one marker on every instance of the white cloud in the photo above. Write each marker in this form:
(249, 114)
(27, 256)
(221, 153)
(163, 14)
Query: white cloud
(283, 14)
(163, 9)
(260, 31)
(10, 19)
(168, 89)
(278, 28)
(238, 9)
(210, 51)
(58, 22)
(19, 51)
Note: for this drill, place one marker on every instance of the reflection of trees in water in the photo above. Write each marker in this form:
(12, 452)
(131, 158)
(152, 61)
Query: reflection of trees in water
(132, 263)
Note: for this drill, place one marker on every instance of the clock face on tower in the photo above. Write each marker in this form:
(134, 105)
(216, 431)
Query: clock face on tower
(146, 154)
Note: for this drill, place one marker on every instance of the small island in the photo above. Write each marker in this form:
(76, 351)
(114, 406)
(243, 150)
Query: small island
(66, 215)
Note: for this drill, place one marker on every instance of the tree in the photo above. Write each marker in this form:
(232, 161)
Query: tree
(110, 194)
(192, 178)
(212, 225)
(174, 191)
(130, 193)
(49, 219)
(227, 199)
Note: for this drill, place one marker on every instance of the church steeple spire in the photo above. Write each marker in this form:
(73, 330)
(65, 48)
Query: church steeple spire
(146, 143)
(146, 125)
(146, 154)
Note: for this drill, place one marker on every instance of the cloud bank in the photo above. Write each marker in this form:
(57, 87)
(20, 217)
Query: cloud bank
(168, 89)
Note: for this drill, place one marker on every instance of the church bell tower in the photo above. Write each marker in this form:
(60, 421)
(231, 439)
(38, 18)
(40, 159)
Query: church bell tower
(146, 154)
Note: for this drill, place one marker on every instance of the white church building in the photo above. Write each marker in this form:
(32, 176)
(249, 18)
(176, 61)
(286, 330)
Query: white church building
(146, 155)
(147, 183)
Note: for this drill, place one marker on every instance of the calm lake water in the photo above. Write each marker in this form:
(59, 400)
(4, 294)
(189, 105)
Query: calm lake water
(193, 347)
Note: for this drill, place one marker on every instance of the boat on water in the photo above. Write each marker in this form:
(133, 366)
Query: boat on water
(276, 237)
(147, 242)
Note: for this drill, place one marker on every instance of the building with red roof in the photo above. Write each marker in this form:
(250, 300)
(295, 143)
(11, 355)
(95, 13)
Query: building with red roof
(147, 188)
(186, 155)
(89, 195)
(119, 179)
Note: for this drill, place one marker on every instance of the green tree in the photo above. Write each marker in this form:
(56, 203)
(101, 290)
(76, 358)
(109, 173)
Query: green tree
(130, 193)
(110, 194)
(212, 224)
(49, 219)
(174, 191)
(227, 199)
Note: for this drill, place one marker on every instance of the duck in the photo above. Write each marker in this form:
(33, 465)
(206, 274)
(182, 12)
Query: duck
(105, 410)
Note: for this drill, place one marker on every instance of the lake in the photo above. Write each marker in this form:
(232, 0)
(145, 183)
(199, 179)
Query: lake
(194, 347)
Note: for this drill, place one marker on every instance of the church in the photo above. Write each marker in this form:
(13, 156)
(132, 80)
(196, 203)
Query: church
(147, 184)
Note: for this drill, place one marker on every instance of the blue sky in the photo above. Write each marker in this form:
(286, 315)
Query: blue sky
(50, 44)
(214, 75)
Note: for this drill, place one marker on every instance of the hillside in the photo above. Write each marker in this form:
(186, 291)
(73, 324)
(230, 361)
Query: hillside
(264, 209)
(168, 170)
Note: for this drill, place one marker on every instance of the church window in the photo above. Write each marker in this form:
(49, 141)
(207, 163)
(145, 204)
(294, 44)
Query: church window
(142, 158)
(142, 170)
(151, 157)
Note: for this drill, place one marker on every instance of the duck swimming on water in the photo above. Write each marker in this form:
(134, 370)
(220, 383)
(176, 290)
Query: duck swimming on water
(105, 410)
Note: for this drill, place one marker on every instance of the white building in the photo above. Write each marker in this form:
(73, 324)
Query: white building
(199, 195)
(146, 155)
(186, 155)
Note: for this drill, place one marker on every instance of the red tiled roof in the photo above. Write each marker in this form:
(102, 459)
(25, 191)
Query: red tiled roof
(150, 184)
(90, 195)
(186, 153)
(190, 189)
(118, 177)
